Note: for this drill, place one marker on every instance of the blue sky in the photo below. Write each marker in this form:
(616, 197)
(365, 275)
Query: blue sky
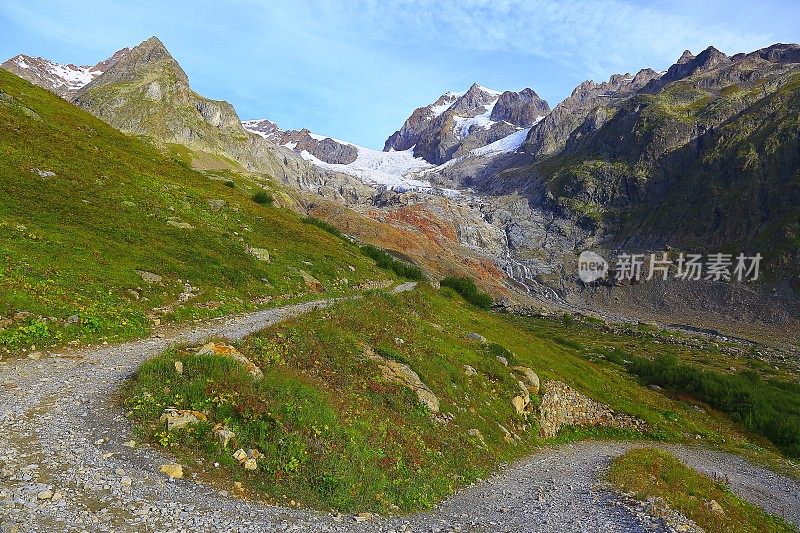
(356, 69)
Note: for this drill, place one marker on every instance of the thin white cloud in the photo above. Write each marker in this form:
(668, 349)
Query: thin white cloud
(355, 68)
(602, 36)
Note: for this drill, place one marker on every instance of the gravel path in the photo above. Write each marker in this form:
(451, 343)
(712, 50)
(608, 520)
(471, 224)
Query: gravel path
(64, 465)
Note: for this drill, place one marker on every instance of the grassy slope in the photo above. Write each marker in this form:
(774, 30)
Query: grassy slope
(337, 435)
(655, 473)
(70, 244)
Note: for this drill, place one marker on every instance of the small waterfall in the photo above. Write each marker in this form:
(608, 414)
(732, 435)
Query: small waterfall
(525, 277)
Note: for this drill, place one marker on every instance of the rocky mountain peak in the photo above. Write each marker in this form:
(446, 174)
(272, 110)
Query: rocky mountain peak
(688, 64)
(551, 134)
(779, 53)
(474, 100)
(149, 59)
(263, 127)
(303, 140)
(406, 137)
(709, 58)
(643, 76)
(523, 108)
(146, 92)
(444, 101)
(459, 122)
(64, 80)
(106, 63)
(686, 56)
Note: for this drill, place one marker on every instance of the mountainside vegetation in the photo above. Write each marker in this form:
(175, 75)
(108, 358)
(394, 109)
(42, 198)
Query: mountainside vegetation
(709, 163)
(334, 429)
(102, 235)
(649, 473)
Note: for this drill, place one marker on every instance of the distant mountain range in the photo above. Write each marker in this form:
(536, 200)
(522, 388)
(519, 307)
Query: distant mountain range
(704, 156)
(64, 80)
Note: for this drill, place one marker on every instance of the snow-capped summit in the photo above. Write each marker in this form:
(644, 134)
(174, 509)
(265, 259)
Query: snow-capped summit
(64, 80)
(264, 127)
(458, 122)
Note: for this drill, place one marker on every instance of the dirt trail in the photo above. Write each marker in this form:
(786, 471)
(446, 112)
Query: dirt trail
(61, 432)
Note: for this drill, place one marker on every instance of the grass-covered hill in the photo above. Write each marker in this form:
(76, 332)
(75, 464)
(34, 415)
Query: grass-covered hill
(102, 234)
(660, 477)
(333, 430)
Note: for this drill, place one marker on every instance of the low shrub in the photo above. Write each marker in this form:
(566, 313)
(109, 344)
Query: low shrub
(767, 407)
(324, 226)
(569, 343)
(262, 198)
(387, 262)
(468, 290)
(498, 350)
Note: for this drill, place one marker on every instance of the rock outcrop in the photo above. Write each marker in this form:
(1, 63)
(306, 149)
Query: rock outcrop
(402, 374)
(531, 379)
(687, 65)
(406, 137)
(323, 148)
(181, 418)
(523, 108)
(563, 406)
(226, 350)
(589, 99)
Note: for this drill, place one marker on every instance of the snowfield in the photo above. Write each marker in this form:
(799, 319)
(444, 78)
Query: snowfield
(463, 125)
(68, 76)
(507, 144)
(74, 77)
(375, 167)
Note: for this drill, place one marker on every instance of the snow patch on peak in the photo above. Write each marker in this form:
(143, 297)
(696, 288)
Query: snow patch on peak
(262, 126)
(510, 143)
(463, 125)
(489, 91)
(443, 103)
(437, 110)
(72, 76)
